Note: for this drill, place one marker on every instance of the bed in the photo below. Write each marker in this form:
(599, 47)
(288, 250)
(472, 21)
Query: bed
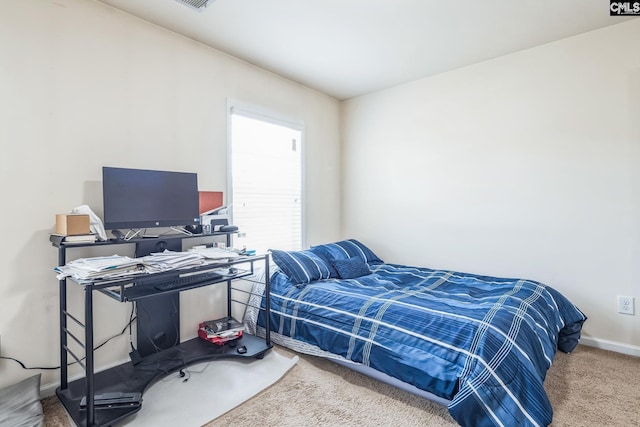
(482, 345)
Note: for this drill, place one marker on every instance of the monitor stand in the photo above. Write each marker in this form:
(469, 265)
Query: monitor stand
(158, 317)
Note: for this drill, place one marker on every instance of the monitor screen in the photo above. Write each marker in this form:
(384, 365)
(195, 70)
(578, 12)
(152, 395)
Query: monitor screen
(138, 198)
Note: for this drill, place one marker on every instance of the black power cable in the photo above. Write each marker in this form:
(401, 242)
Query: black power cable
(132, 318)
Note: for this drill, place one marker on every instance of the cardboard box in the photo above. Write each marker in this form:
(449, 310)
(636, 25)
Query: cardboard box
(71, 224)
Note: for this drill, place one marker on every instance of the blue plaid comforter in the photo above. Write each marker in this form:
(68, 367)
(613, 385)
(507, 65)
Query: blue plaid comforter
(484, 343)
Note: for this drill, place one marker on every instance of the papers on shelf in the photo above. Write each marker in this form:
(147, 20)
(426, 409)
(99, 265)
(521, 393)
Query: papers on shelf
(167, 260)
(215, 253)
(116, 266)
(73, 239)
(106, 267)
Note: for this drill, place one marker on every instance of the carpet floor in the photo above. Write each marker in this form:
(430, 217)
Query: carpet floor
(589, 387)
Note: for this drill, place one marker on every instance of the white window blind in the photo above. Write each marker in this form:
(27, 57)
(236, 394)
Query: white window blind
(266, 181)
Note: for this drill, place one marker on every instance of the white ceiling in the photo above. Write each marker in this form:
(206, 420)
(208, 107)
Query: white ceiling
(347, 48)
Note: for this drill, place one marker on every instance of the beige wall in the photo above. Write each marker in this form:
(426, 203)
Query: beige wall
(83, 85)
(526, 165)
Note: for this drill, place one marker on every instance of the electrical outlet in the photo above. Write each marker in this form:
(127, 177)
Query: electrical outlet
(625, 305)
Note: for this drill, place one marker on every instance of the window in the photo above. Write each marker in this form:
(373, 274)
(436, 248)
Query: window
(265, 180)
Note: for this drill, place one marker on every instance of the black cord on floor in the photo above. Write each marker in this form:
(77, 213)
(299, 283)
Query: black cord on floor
(132, 318)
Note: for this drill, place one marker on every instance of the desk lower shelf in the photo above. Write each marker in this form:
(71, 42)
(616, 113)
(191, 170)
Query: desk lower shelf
(129, 378)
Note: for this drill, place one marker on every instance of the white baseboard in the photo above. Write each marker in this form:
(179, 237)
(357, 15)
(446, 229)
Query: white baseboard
(618, 347)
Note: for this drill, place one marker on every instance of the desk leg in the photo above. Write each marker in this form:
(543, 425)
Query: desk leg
(62, 286)
(63, 335)
(267, 304)
(229, 298)
(88, 340)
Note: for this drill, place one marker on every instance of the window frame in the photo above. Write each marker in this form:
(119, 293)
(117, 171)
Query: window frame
(276, 118)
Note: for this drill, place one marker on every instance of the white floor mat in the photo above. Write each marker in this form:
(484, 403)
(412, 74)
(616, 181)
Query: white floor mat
(212, 389)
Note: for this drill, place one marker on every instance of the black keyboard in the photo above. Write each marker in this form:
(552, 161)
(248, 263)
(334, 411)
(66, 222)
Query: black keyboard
(191, 279)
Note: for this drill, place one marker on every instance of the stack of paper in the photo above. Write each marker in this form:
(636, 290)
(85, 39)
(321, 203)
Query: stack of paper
(168, 260)
(74, 239)
(116, 266)
(108, 267)
(215, 253)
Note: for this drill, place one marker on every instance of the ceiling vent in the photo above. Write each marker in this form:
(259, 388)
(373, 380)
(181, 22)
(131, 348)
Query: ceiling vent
(198, 5)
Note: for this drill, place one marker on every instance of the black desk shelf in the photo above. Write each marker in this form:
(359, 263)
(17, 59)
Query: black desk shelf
(127, 377)
(139, 287)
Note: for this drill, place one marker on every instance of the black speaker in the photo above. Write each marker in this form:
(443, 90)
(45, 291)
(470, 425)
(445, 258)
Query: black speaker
(146, 247)
(195, 229)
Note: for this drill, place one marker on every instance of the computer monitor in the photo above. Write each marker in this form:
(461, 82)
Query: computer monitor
(140, 198)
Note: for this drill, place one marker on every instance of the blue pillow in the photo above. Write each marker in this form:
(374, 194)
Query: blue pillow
(346, 249)
(301, 266)
(350, 268)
